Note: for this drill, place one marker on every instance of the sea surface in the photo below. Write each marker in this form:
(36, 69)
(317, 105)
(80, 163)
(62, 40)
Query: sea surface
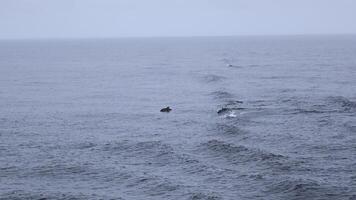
(80, 119)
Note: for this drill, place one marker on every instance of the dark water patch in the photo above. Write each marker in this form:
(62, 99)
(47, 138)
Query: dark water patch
(147, 147)
(10, 171)
(351, 126)
(329, 105)
(238, 153)
(222, 95)
(203, 196)
(343, 103)
(305, 189)
(234, 102)
(256, 177)
(326, 148)
(325, 121)
(207, 170)
(213, 78)
(287, 90)
(291, 100)
(27, 195)
(58, 170)
(319, 109)
(102, 172)
(228, 129)
(317, 106)
(154, 186)
(85, 145)
(139, 181)
(162, 188)
(226, 148)
(308, 111)
(260, 103)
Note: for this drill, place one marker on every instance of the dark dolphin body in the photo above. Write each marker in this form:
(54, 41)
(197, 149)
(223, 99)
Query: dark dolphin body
(168, 109)
(223, 110)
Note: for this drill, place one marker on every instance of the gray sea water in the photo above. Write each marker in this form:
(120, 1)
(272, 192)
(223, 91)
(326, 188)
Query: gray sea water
(80, 119)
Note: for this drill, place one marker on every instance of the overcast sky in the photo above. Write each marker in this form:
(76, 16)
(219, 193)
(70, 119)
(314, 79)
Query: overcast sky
(131, 18)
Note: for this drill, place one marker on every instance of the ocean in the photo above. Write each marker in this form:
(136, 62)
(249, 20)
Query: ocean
(80, 118)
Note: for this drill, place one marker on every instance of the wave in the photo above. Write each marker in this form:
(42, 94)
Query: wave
(156, 186)
(229, 109)
(343, 103)
(154, 153)
(302, 188)
(234, 102)
(306, 189)
(239, 153)
(308, 111)
(332, 104)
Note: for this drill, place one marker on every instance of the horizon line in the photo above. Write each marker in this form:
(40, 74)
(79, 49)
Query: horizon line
(176, 36)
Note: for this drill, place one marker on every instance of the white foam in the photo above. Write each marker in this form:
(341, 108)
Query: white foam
(231, 115)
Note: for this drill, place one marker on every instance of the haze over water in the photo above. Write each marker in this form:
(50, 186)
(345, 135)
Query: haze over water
(80, 118)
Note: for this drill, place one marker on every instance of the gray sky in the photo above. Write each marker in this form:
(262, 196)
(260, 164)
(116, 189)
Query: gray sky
(122, 18)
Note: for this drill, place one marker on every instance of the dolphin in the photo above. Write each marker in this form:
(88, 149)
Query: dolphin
(168, 109)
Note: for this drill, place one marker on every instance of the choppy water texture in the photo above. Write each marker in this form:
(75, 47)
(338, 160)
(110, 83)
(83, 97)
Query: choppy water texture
(80, 118)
